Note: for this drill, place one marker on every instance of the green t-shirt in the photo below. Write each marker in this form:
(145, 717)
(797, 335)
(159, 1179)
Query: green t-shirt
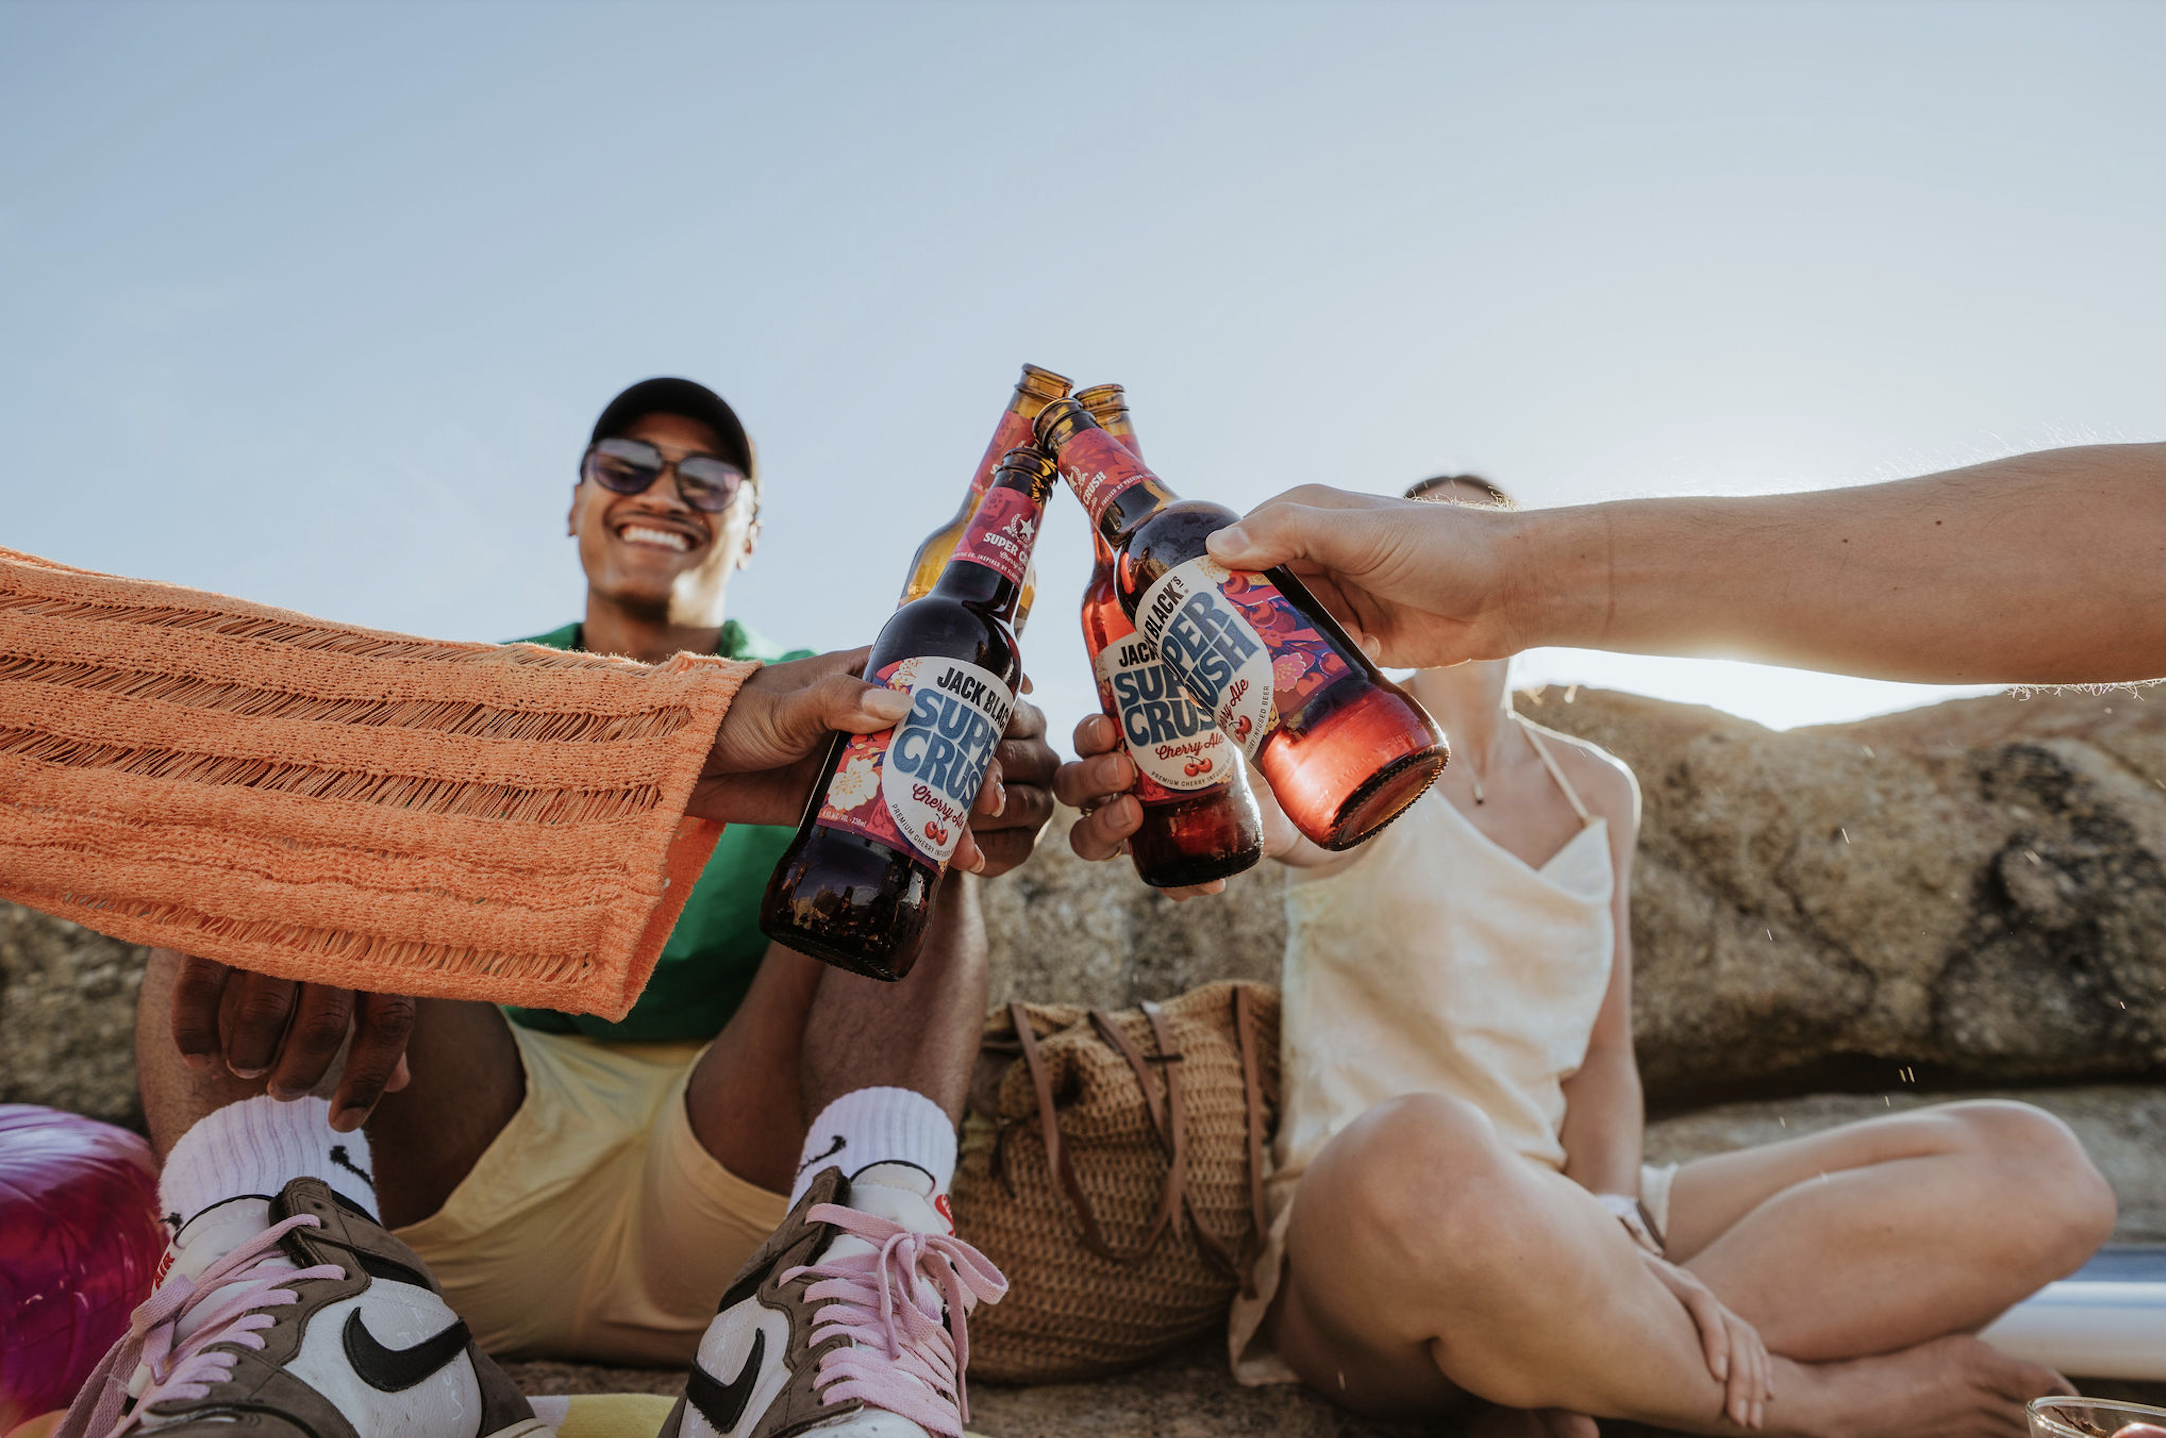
(717, 945)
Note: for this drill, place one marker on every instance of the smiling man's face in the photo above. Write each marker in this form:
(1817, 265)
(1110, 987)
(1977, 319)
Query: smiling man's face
(653, 554)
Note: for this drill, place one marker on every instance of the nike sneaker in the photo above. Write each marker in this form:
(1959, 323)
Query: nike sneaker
(298, 1317)
(848, 1323)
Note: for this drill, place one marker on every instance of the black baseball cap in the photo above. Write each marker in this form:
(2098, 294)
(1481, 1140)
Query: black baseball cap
(681, 397)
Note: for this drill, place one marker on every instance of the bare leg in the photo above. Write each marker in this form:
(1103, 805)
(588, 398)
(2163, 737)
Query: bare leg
(467, 1083)
(921, 1034)
(808, 1033)
(175, 1095)
(1884, 1234)
(1427, 1262)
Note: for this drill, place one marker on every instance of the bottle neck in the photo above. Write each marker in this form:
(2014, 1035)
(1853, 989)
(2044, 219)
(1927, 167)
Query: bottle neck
(1117, 489)
(1013, 430)
(987, 568)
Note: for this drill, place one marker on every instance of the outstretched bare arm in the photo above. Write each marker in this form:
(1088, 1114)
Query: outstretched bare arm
(2045, 568)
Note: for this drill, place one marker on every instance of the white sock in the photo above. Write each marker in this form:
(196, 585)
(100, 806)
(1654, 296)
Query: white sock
(879, 1125)
(258, 1146)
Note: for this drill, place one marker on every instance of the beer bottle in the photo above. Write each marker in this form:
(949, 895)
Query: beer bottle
(1342, 747)
(1031, 393)
(1199, 819)
(857, 883)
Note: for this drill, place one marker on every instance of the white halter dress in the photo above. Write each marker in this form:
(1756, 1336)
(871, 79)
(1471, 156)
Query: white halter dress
(1438, 962)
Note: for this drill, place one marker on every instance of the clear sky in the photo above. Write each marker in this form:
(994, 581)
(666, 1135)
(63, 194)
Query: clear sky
(316, 303)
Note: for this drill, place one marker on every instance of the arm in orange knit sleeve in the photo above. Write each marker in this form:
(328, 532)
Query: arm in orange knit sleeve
(378, 811)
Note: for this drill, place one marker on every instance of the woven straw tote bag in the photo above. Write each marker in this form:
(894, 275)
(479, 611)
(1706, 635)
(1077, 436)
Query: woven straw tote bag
(1112, 1165)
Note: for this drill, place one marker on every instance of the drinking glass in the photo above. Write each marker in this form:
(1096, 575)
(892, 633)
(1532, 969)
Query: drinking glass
(2088, 1417)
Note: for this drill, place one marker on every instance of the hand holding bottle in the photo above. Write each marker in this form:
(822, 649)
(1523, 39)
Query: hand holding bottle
(1101, 781)
(1417, 585)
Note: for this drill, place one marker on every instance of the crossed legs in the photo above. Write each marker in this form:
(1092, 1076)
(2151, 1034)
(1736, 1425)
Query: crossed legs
(1428, 1264)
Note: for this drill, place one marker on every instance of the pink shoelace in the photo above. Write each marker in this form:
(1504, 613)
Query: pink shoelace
(232, 1291)
(903, 1358)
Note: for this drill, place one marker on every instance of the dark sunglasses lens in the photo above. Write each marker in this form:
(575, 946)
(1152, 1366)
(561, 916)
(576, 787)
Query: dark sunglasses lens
(624, 465)
(708, 484)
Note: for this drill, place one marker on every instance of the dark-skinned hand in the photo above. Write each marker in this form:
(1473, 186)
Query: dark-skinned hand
(255, 1026)
(1018, 795)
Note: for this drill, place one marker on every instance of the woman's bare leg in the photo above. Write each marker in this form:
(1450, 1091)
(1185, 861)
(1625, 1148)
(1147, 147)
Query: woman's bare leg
(1427, 1262)
(1883, 1234)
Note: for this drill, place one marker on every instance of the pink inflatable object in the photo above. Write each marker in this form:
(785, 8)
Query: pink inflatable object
(80, 1243)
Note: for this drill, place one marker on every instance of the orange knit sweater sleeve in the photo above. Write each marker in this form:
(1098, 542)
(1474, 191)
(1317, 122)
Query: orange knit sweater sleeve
(345, 806)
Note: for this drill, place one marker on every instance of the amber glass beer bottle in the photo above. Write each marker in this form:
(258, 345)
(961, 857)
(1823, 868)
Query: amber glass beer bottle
(1199, 819)
(858, 882)
(1343, 748)
(1032, 391)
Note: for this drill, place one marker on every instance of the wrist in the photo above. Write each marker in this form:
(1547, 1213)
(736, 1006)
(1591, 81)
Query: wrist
(1555, 578)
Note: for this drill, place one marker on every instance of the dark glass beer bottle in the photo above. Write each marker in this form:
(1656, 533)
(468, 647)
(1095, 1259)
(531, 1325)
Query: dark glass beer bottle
(1343, 748)
(858, 882)
(1032, 392)
(1199, 819)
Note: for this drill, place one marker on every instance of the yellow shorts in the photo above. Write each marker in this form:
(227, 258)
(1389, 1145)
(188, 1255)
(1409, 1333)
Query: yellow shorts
(595, 1226)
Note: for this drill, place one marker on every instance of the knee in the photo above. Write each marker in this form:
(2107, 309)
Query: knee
(2061, 1207)
(1427, 1169)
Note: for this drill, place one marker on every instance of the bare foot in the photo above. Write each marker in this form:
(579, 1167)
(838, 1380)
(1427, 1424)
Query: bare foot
(1494, 1422)
(1952, 1387)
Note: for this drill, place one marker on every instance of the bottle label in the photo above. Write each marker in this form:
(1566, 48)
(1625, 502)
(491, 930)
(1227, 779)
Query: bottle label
(1242, 651)
(1178, 751)
(1099, 470)
(911, 787)
(1001, 533)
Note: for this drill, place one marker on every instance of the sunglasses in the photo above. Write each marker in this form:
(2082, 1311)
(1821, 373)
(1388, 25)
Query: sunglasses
(629, 466)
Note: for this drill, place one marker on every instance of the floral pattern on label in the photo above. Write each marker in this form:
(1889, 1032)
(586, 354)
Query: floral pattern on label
(1243, 652)
(911, 787)
(1176, 748)
(1001, 534)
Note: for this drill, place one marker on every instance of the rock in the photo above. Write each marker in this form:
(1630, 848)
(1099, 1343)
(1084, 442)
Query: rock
(67, 1017)
(1978, 888)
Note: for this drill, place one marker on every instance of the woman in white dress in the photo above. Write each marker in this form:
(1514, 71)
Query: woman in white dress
(1460, 1215)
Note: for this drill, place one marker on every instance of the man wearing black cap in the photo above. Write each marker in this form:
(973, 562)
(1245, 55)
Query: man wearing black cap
(585, 1189)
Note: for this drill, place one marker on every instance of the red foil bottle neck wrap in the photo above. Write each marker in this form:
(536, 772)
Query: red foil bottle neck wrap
(1002, 533)
(1099, 469)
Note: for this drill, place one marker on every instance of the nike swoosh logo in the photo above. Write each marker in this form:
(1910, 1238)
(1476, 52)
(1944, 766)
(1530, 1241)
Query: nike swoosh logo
(722, 1404)
(832, 1149)
(393, 1370)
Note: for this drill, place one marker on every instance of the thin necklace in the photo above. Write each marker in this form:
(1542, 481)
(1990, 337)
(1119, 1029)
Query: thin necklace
(1474, 771)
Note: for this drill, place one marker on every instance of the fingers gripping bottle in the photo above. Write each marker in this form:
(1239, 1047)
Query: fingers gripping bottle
(1343, 748)
(1199, 819)
(857, 884)
(1032, 391)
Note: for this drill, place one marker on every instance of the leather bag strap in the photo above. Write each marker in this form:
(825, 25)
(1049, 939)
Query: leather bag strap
(1244, 1030)
(1056, 1156)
